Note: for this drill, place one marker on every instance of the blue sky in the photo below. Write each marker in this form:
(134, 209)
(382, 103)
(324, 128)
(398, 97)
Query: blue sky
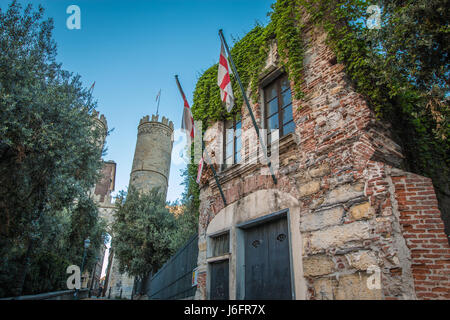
(134, 48)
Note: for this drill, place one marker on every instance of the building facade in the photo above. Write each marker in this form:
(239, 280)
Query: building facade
(342, 221)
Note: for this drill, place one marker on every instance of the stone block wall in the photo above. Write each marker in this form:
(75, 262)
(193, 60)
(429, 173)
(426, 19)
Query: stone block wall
(120, 284)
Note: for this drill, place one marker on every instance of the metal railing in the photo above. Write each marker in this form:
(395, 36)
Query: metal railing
(174, 279)
(57, 295)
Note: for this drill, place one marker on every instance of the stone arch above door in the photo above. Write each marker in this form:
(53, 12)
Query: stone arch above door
(257, 205)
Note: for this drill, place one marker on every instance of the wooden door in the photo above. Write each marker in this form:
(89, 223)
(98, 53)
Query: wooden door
(219, 280)
(267, 261)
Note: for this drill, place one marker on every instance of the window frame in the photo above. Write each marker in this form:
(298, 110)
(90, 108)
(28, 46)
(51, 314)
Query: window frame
(277, 81)
(220, 245)
(236, 119)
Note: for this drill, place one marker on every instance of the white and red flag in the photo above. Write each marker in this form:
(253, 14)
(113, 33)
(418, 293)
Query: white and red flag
(224, 81)
(187, 123)
(199, 171)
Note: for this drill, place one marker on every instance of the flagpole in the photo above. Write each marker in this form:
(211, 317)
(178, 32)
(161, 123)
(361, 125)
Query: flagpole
(92, 88)
(236, 74)
(179, 87)
(159, 99)
(186, 104)
(208, 160)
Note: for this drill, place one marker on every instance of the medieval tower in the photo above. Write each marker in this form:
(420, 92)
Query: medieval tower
(101, 125)
(151, 163)
(101, 194)
(150, 169)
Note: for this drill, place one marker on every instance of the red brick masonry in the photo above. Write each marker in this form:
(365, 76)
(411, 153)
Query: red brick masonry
(423, 230)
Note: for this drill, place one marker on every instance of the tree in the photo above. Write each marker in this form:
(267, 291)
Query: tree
(48, 157)
(60, 245)
(187, 221)
(417, 36)
(84, 223)
(143, 231)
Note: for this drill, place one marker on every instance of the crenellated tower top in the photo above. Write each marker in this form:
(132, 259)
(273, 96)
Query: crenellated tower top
(154, 118)
(100, 119)
(152, 157)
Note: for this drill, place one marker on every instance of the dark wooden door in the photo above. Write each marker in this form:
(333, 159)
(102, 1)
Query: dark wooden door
(267, 262)
(219, 280)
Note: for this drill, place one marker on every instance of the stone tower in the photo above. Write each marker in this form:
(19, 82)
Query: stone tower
(151, 163)
(100, 124)
(101, 193)
(102, 190)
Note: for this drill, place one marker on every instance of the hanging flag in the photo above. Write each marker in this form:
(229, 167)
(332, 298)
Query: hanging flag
(200, 169)
(244, 95)
(188, 125)
(224, 81)
(187, 122)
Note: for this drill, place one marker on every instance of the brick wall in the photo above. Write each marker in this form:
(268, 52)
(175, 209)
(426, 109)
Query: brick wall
(201, 285)
(104, 187)
(423, 230)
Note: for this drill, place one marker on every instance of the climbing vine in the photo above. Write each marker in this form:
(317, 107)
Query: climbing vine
(287, 28)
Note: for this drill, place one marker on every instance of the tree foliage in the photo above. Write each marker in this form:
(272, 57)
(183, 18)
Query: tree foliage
(60, 243)
(187, 221)
(143, 231)
(146, 234)
(48, 156)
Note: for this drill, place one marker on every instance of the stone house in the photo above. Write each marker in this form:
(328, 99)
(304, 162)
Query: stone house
(343, 221)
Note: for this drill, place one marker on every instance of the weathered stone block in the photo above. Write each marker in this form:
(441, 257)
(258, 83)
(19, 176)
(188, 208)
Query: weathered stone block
(321, 219)
(317, 266)
(344, 193)
(336, 90)
(334, 237)
(361, 211)
(362, 260)
(355, 287)
(309, 188)
(320, 171)
(302, 177)
(202, 246)
(316, 203)
(324, 288)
